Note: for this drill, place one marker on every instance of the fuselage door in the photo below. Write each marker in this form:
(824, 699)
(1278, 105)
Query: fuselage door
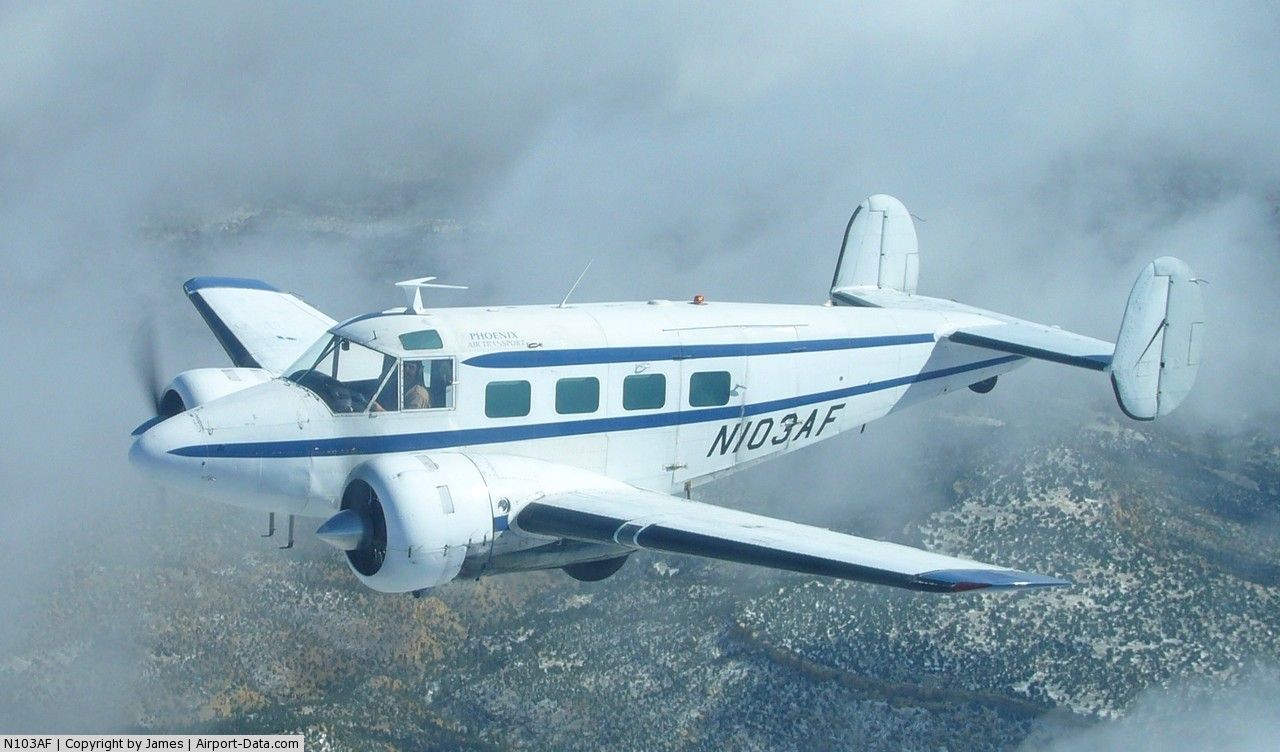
(713, 394)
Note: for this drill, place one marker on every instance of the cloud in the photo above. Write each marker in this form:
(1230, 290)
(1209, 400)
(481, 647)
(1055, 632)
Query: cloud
(1193, 716)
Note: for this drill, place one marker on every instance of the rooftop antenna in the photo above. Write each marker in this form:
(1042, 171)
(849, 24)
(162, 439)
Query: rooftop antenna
(575, 284)
(413, 290)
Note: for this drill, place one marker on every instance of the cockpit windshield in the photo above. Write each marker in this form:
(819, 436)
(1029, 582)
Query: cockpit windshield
(349, 377)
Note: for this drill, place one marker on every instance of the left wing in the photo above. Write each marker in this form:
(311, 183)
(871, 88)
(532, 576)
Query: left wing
(258, 325)
(636, 519)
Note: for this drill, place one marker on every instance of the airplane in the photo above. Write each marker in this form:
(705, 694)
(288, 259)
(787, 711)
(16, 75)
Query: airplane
(444, 443)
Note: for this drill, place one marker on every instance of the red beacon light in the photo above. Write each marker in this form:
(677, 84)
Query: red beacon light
(699, 299)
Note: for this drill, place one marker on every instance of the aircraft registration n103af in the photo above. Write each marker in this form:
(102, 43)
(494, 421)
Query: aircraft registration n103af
(460, 442)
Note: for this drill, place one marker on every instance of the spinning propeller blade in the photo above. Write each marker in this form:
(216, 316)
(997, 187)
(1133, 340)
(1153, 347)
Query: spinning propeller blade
(146, 362)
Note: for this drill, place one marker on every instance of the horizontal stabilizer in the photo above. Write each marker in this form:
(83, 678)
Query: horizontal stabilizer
(258, 325)
(644, 519)
(998, 332)
(1038, 341)
(1153, 363)
(1158, 349)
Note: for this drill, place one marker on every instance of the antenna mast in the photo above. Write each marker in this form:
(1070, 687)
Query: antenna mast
(575, 284)
(413, 290)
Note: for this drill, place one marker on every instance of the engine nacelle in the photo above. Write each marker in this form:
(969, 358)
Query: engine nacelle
(410, 521)
(201, 385)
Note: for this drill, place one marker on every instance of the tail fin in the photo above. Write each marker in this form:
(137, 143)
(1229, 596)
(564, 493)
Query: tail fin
(880, 248)
(1153, 364)
(1158, 349)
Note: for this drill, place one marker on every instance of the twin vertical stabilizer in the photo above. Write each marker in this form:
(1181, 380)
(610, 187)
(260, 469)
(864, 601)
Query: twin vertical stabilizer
(1153, 363)
(880, 248)
(1158, 349)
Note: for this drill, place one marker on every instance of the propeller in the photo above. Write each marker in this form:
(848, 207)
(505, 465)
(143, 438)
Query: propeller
(360, 529)
(146, 367)
(146, 362)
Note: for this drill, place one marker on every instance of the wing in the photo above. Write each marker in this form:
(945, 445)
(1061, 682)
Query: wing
(258, 325)
(644, 519)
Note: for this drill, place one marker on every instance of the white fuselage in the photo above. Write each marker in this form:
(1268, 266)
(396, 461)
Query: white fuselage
(796, 375)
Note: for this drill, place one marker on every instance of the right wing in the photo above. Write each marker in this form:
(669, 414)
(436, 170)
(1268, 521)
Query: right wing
(636, 519)
(258, 325)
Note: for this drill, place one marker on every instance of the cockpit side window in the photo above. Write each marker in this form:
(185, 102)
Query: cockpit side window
(428, 383)
(349, 377)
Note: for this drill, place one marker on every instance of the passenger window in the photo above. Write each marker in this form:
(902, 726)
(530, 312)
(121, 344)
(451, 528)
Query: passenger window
(709, 388)
(428, 383)
(506, 399)
(578, 395)
(645, 391)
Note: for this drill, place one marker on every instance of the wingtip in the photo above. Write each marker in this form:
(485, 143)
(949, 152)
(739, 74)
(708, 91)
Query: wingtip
(960, 580)
(200, 283)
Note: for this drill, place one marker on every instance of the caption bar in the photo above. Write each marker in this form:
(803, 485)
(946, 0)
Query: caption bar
(112, 742)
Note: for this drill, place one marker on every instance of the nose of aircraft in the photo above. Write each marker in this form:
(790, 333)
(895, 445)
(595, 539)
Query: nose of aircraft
(190, 451)
(151, 451)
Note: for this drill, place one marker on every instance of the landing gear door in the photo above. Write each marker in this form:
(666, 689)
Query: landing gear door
(713, 396)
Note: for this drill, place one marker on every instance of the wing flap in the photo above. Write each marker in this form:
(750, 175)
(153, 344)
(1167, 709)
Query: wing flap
(258, 325)
(649, 520)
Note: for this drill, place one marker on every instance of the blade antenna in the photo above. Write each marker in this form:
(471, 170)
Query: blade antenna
(575, 284)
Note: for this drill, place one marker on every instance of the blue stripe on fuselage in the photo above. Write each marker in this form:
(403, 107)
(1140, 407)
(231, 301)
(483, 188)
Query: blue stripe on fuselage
(416, 442)
(596, 355)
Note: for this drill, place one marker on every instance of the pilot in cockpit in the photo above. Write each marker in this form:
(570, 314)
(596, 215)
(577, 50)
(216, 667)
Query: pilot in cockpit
(416, 396)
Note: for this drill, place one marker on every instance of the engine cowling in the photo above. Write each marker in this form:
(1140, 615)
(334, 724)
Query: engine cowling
(202, 385)
(409, 522)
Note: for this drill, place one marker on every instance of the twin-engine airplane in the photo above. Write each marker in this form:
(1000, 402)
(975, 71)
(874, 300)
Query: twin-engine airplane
(462, 442)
